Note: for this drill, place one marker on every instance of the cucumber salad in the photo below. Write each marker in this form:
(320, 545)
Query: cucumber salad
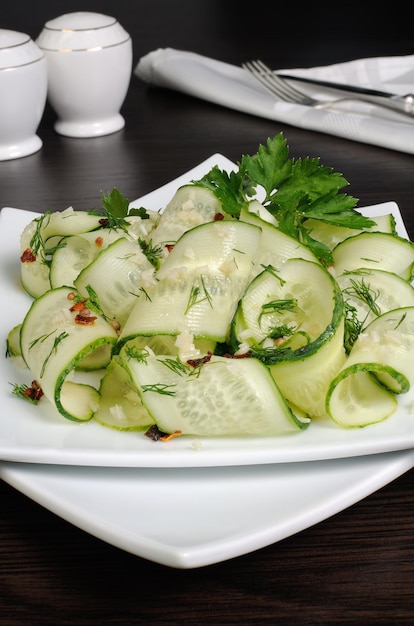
(255, 302)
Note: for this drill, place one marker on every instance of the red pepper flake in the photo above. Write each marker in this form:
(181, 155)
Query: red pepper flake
(176, 433)
(218, 217)
(169, 246)
(104, 221)
(200, 361)
(34, 392)
(99, 242)
(28, 256)
(84, 320)
(78, 306)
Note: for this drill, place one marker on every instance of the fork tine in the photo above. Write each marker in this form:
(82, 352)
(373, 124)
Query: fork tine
(274, 83)
(264, 80)
(279, 82)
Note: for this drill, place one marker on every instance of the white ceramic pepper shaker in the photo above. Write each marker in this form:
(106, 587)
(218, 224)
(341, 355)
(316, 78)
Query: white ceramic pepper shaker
(89, 62)
(23, 91)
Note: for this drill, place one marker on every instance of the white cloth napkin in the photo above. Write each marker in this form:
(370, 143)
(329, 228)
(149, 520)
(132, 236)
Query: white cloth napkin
(233, 87)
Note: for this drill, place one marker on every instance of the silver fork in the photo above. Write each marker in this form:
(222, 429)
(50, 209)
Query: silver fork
(281, 88)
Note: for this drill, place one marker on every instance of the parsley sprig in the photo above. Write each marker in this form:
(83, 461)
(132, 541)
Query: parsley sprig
(295, 190)
(115, 208)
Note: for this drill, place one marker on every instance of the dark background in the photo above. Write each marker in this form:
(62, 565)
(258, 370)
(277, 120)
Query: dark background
(146, 154)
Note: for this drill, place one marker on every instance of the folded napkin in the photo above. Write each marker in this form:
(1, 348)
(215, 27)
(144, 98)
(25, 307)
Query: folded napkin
(233, 87)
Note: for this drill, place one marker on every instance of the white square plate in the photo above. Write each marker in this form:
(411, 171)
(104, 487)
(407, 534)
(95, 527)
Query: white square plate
(192, 518)
(38, 434)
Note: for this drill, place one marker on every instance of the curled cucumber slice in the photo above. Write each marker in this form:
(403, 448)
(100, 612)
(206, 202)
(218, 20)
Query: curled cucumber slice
(379, 366)
(293, 321)
(54, 340)
(34, 248)
(120, 406)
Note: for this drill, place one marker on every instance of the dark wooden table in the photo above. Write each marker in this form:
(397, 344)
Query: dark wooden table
(356, 567)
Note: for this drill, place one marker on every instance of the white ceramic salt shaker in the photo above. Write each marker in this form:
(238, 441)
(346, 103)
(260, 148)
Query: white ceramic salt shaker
(23, 91)
(89, 63)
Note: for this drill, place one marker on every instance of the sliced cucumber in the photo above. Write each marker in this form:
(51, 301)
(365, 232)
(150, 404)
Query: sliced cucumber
(305, 363)
(367, 294)
(227, 246)
(224, 397)
(379, 366)
(78, 400)
(203, 278)
(305, 381)
(142, 228)
(34, 276)
(259, 210)
(13, 341)
(183, 345)
(34, 272)
(118, 276)
(294, 304)
(275, 246)
(53, 344)
(61, 223)
(383, 251)
(331, 235)
(96, 360)
(120, 405)
(190, 206)
(75, 252)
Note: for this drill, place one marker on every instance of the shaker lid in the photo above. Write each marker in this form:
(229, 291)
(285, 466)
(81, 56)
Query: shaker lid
(17, 49)
(81, 30)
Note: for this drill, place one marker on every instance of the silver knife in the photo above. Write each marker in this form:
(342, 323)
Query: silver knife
(404, 104)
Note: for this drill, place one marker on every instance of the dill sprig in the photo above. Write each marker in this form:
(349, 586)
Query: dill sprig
(198, 295)
(57, 340)
(161, 388)
(151, 251)
(365, 293)
(277, 306)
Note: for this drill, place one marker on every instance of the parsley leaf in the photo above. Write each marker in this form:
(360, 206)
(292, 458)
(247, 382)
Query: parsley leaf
(294, 191)
(270, 166)
(115, 203)
(116, 208)
(230, 189)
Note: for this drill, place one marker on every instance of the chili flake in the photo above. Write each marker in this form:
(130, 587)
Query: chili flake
(35, 392)
(78, 306)
(28, 256)
(196, 362)
(170, 436)
(83, 319)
